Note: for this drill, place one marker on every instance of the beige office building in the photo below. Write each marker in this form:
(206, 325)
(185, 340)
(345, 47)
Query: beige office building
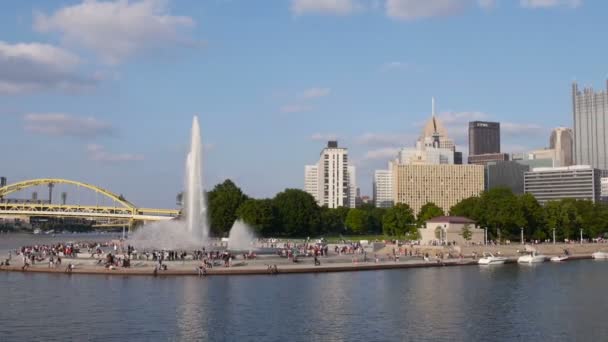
(443, 184)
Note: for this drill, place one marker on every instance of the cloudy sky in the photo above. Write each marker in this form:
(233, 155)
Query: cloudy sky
(104, 91)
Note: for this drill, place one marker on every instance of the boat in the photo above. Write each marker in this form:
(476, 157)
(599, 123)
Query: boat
(559, 258)
(532, 258)
(490, 259)
(600, 255)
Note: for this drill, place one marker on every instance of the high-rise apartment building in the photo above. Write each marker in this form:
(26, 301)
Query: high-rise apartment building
(311, 181)
(352, 187)
(484, 137)
(581, 182)
(383, 188)
(333, 187)
(590, 112)
(561, 141)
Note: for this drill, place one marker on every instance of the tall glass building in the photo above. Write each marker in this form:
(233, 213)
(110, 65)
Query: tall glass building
(590, 111)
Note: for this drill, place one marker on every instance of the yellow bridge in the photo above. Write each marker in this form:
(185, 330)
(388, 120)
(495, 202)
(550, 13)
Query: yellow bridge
(124, 209)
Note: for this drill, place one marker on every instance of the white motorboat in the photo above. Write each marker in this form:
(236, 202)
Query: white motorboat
(532, 258)
(559, 258)
(600, 255)
(490, 259)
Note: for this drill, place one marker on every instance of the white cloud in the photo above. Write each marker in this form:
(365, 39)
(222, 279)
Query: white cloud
(382, 153)
(98, 153)
(332, 7)
(384, 139)
(295, 108)
(116, 30)
(521, 129)
(324, 136)
(390, 66)
(487, 4)
(550, 3)
(417, 9)
(28, 67)
(314, 93)
(60, 124)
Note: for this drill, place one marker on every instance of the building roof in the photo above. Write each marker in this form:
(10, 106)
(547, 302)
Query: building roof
(450, 219)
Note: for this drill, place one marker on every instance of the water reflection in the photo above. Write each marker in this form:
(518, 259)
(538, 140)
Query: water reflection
(548, 302)
(192, 322)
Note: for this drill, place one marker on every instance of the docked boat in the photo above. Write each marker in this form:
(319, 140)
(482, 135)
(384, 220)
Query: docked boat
(532, 258)
(559, 258)
(491, 259)
(600, 255)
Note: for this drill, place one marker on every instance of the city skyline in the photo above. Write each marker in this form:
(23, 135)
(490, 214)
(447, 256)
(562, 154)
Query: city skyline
(96, 104)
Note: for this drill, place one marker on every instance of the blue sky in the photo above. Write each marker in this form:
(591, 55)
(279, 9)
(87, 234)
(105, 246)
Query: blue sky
(104, 91)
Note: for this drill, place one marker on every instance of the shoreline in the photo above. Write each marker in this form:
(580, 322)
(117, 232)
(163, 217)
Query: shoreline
(257, 270)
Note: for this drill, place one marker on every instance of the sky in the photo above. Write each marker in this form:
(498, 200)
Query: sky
(104, 92)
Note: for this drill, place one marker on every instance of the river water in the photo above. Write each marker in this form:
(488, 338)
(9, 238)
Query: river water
(548, 302)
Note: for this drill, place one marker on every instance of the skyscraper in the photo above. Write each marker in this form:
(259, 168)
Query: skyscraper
(561, 141)
(383, 187)
(590, 112)
(333, 178)
(484, 137)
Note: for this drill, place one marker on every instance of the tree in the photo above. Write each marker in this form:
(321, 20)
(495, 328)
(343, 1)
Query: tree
(357, 221)
(298, 213)
(468, 207)
(533, 216)
(427, 212)
(466, 232)
(398, 220)
(260, 214)
(563, 215)
(224, 200)
(499, 209)
(332, 220)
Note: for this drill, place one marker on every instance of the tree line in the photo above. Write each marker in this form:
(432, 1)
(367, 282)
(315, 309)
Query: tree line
(504, 214)
(295, 213)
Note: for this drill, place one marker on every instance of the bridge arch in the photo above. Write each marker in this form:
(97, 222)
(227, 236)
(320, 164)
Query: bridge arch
(42, 181)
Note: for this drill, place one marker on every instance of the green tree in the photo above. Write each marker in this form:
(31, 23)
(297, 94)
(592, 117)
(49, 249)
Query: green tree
(427, 212)
(332, 220)
(298, 213)
(500, 210)
(466, 232)
(224, 200)
(468, 207)
(357, 221)
(563, 215)
(533, 216)
(375, 220)
(398, 220)
(260, 214)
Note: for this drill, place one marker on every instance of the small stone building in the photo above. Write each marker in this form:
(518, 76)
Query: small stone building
(449, 229)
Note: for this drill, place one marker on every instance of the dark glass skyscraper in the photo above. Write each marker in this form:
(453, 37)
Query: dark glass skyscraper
(484, 137)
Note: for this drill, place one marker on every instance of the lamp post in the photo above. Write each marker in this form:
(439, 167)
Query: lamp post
(554, 235)
(522, 236)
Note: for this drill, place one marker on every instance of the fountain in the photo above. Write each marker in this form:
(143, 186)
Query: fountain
(241, 237)
(192, 229)
(195, 208)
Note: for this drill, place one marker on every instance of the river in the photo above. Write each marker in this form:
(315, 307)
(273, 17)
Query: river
(548, 302)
